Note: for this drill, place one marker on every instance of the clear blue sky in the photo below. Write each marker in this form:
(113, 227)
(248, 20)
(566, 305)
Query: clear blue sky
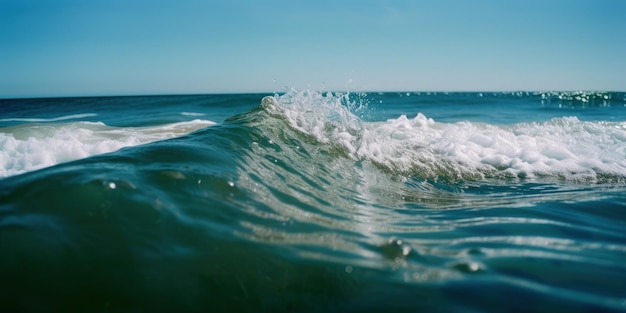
(109, 47)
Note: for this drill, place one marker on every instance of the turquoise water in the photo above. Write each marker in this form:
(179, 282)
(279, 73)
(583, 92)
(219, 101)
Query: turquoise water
(308, 201)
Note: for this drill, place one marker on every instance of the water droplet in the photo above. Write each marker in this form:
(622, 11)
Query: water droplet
(406, 250)
(468, 267)
(230, 183)
(112, 185)
(395, 249)
(348, 269)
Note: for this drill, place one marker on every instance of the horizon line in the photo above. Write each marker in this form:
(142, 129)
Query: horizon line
(217, 93)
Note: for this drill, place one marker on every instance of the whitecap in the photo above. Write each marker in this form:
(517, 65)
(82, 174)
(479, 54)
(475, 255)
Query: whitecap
(30, 147)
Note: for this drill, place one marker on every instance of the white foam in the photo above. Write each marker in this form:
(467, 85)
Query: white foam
(323, 116)
(563, 148)
(30, 147)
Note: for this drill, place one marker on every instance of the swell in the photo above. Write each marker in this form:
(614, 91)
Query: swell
(139, 228)
(260, 214)
(317, 201)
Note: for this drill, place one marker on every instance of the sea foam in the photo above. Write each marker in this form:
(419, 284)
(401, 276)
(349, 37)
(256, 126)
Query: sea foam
(560, 148)
(29, 147)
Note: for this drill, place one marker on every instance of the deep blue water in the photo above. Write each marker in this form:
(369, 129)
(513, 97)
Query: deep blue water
(314, 201)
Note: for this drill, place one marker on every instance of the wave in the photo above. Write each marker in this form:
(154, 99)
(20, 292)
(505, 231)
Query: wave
(303, 203)
(29, 147)
(562, 148)
(44, 120)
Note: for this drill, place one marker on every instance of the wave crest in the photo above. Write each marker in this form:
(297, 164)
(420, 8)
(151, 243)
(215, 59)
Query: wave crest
(562, 148)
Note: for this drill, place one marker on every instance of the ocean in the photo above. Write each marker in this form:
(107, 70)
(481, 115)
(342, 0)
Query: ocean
(311, 201)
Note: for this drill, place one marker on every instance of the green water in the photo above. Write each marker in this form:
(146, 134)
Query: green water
(315, 202)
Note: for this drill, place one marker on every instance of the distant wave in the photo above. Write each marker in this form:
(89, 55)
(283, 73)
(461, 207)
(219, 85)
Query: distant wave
(26, 147)
(43, 120)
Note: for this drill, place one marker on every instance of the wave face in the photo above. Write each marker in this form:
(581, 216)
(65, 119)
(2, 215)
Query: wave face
(309, 201)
